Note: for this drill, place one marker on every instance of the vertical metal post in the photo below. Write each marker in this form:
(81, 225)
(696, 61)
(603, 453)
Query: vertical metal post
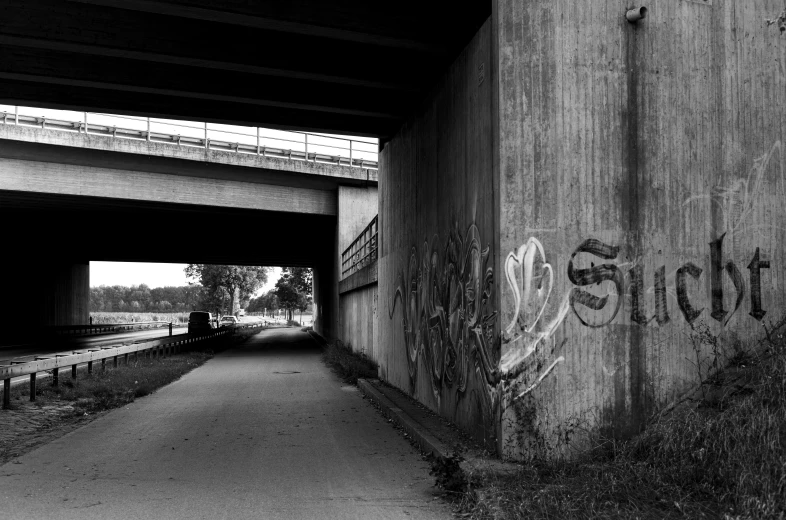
(73, 371)
(257, 140)
(148, 128)
(206, 141)
(350, 152)
(306, 136)
(170, 329)
(7, 393)
(16, 115)
(55, 376)
(114, 362)
(89, 367)
(32, 386)
(125, 359)
(103, 364)
(86, 132)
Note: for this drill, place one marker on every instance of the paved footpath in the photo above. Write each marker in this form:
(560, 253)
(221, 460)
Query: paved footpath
(263, 431)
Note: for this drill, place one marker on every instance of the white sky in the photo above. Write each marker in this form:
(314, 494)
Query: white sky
(154, 275)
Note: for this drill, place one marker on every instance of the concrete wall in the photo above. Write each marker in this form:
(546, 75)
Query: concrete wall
(437, 325)
(356, 208)
(585, 218)
(357, 312)
(357, 319)
(642, 180)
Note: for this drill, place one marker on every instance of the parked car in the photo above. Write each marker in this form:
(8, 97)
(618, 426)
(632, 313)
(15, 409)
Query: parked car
(200, 321)
(228, 321)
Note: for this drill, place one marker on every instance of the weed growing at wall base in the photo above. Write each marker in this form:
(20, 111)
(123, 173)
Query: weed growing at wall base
(347, 364)
(721, 454)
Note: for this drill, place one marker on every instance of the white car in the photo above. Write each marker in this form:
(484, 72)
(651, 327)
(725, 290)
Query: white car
(228, 321)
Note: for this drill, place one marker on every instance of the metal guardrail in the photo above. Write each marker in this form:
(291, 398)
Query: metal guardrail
(106, 328)
(362, 251)
(206, 142)
(58, 361)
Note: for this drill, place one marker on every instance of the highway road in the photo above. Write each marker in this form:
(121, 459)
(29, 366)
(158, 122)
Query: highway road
(261, 431)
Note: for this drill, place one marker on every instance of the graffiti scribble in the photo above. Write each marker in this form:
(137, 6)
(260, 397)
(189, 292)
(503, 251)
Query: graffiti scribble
(446, 317)
(737, 201)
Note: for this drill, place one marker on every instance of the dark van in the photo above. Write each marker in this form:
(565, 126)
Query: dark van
(200, 321)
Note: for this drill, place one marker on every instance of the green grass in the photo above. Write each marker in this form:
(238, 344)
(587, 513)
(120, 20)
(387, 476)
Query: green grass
(723, 457)
(347, 364)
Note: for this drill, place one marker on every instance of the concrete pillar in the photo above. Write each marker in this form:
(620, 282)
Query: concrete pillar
(326, 294)
(48, 289)
(640, 181)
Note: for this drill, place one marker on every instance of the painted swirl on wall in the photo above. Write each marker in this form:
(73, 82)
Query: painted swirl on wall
(447, 319)
(531, 282)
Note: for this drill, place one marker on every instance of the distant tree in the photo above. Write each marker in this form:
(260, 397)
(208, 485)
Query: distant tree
(294, 289)
(288, 297)
(268, 302)
(97, 302)
(221, 281)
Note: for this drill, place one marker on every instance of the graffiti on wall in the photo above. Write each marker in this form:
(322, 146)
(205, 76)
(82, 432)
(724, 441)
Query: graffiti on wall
(447, 318)
(738, 199)
(531, 282)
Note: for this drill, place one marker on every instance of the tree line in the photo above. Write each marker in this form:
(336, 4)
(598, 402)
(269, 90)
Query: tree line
(141, 298)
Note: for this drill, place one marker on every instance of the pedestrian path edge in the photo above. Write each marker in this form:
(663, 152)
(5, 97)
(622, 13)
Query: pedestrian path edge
(427, 443)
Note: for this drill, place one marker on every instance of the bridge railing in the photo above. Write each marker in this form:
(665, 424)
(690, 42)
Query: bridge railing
(362, 251)
(266, 142)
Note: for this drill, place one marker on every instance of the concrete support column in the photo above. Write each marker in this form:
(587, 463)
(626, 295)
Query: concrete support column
(49, 289)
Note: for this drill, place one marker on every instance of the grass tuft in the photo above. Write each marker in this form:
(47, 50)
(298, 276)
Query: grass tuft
(347, 364)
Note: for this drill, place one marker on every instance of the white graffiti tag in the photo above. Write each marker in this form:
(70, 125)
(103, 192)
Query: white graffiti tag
(531, 280)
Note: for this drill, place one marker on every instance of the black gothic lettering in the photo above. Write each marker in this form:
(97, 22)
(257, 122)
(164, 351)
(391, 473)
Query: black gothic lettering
(596, 274)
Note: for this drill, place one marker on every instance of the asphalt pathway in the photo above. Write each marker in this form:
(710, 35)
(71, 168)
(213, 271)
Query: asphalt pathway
(263, 431)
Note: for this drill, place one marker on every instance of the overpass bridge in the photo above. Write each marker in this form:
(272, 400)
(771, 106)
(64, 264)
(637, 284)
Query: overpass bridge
(566, 194)
(142, 195)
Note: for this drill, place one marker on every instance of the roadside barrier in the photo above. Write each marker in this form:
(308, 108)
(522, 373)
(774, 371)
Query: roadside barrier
(62, 361)
(107, 328)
